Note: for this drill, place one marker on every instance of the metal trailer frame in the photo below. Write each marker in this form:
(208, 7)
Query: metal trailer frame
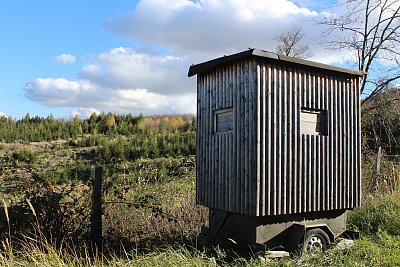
(287, 231)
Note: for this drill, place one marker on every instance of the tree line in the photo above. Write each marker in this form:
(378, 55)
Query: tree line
(38, 129)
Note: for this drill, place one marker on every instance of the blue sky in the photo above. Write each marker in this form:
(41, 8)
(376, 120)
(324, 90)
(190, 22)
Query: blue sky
(35, 32)
(77, 57)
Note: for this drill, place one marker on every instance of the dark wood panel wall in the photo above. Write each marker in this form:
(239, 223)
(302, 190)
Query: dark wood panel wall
(265, 165)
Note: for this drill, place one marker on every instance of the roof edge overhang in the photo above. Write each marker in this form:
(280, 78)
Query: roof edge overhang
(202, 67)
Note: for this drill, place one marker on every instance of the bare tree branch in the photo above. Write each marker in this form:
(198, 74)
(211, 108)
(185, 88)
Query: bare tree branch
(289, 44)
(370, 29)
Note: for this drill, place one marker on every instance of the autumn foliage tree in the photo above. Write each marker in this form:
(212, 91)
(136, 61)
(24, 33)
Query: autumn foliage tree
(109, 122)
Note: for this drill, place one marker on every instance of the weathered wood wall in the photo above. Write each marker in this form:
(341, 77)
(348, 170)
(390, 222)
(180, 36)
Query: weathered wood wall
(265, 165)
(226, 161)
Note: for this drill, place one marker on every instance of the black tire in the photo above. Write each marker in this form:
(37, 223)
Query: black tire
(316, 239)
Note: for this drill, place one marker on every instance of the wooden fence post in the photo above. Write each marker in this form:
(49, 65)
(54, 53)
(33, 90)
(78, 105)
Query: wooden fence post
(377, 170)
(96, 235)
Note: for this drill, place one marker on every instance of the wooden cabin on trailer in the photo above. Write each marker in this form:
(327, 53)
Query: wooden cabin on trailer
(278, 147)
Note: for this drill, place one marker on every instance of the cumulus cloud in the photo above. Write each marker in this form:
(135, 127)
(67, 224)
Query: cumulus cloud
(121, 80)
(84, 113)
(209, 28)
(177, 34)
(65, 58)
(52, 92)
(125, 68)
(2, 114)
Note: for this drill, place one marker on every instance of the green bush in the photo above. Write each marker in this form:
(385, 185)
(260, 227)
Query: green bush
(381, 213)
(25, 156)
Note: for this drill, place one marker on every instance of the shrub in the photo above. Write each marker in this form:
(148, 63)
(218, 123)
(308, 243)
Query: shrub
(25, 156)
(381, 213)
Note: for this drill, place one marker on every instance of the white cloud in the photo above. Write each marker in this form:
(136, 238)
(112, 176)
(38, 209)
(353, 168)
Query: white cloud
(52, 92)
(2, 114)
(84, 113)
(65, 58)
(143, 101)
(337, 57)
(121, 80)
(209, 28)
(126, 68)
(131, 80)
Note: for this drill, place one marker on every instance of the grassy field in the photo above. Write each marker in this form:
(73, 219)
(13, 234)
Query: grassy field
(380, 249)
(150, 217)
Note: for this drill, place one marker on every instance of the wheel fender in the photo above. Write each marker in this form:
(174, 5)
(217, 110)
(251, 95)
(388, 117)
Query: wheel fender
(297, 232)
(324, 227)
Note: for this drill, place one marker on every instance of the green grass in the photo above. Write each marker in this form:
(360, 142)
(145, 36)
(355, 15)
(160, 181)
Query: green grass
(162, 228)
(382, 250)
(380, 213)
(378, 246)
(378, 222)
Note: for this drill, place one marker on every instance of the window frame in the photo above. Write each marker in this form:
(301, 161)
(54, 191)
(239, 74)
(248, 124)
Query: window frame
(215, 118)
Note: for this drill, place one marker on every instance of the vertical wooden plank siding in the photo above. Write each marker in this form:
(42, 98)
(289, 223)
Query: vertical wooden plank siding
(274, 143)
(298, 144)
(284, 128)
(331, 148)
(199, 141)
(263, 159)
(259, 106)
(239, 137)
(295, 140)
(268, 120)
(265, 165)
(289, 154)
(278, 173)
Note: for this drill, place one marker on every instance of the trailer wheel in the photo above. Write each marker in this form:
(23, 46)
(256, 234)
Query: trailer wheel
(316, 239)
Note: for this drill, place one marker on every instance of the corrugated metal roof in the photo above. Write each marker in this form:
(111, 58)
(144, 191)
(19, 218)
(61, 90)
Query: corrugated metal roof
(199, 68)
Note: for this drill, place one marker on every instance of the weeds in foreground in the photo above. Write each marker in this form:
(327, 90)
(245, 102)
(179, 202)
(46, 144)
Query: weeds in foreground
(381, 250)
(378, 222)
(380, 213)
(379, 246)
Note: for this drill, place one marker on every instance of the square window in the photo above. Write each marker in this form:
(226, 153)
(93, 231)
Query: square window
(223, 120)
(313, 121)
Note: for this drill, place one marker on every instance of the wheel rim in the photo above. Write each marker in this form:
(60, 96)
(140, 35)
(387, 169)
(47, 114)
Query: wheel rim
(315, 243)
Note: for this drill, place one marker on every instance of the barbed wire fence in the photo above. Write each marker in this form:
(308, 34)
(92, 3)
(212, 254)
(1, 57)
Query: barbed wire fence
(161, 213)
